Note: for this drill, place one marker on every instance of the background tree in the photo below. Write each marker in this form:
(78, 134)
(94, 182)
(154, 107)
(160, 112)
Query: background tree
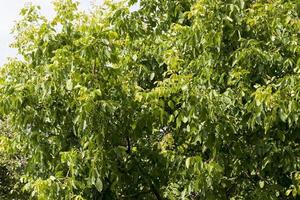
(180, 99)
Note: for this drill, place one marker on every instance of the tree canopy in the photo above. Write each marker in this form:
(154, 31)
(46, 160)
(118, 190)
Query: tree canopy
(179, 99)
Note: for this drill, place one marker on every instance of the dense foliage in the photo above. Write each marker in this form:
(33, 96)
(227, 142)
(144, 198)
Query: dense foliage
(180, 99)
(11, 166)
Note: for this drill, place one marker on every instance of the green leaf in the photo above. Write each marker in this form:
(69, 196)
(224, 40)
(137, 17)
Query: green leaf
(185, 119)
(288, 192)
(99, 184)
(261, 184)
(282, 115)
(69, 84)
(188, 162)
(152, 76)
